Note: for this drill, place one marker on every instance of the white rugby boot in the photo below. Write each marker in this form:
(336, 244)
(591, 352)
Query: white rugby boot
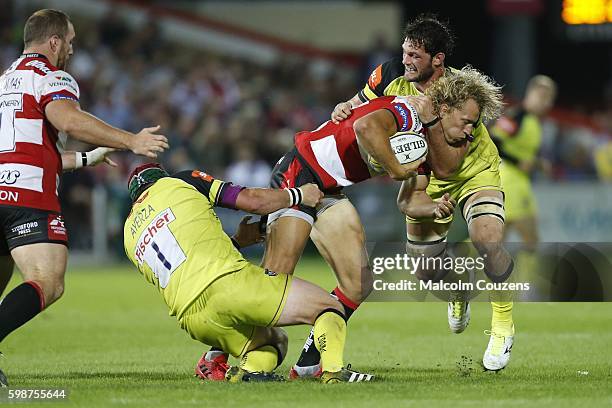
(458, 315)
(497, 354)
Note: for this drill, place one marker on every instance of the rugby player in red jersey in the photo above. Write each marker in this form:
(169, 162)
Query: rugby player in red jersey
(39, 107)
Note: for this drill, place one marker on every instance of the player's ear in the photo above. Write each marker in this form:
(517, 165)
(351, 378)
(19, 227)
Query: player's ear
(438, 60)
(444, 108)
(54, 43)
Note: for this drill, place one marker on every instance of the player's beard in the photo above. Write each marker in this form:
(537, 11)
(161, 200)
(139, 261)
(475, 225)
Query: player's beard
(422, 76)
(62, 59)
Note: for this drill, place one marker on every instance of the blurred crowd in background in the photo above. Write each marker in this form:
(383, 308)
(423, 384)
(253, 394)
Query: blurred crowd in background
(233, 118)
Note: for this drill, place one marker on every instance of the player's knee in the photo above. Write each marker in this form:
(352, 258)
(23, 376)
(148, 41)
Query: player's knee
(56, 290)
(280, 263)
(367, 284)
(488, 233)
(431, 253)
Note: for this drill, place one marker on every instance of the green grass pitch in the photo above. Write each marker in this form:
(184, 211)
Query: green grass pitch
(110, 342)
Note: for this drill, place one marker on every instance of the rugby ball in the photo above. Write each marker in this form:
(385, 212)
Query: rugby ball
(408, 146)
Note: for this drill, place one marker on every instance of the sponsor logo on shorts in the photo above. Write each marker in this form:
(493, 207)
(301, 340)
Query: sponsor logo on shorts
(26, 228)
(270, 273)
(9, 176)
(56, 228)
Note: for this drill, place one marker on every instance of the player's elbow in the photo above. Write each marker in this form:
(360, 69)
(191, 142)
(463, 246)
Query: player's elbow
(402, 204)
(364, 128)
(67, 126)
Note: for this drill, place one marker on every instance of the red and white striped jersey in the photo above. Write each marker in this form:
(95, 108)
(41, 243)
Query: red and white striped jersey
(332, 152)
(30, 160)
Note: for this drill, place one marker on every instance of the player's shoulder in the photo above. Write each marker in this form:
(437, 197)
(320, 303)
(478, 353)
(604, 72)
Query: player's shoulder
(386, 72)
(193, 175)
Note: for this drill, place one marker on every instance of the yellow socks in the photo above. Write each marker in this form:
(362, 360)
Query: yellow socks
(329, 336)
(261, 360)
(501, 321)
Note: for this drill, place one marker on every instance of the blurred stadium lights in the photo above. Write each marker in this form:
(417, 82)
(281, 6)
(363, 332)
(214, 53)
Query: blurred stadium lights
(587, 11)
(587, 19)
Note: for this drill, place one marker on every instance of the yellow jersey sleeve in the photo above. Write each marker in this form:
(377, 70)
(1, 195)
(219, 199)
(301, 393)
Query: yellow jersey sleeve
(380, 79)
(218, 192)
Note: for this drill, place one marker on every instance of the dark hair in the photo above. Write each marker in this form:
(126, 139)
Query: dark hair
(43, 24)
(427, 31)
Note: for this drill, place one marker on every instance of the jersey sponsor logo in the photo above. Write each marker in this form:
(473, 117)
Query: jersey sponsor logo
(12, 196)
(202, 175)
(29, 177)
(63, 85)
(154, 228)
(56, 227)
(140, 217)
(41, 66)
(159, 248)
(404, 115)
(409, 114)
(9, 176)
(62, 97)
(375, 77)
(10, 103)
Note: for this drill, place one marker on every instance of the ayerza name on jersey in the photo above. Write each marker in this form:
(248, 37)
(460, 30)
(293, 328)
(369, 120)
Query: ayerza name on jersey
(140, 217)
(9, 176)
(155, 226)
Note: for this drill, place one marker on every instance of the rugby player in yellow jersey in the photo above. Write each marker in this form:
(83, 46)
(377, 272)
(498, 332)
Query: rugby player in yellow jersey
(174, 238)
(518, 136)
(467, 169)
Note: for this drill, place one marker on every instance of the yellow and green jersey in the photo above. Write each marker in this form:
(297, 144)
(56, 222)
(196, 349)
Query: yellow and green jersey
(175, 239)
(388, 79)
(518, 136)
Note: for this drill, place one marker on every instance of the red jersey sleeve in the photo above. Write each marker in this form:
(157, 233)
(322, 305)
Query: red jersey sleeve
(58, 85)
(405, 115)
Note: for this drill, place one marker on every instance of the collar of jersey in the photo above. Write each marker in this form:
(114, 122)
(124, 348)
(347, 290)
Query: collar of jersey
(34, 55)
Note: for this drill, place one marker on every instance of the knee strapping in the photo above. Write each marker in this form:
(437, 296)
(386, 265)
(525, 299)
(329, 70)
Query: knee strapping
(485, 206)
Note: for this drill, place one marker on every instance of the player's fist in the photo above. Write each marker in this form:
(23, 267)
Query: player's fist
(148, 143)
(248, 234)
(444, 207)
(342, 111)
(406, 171)
(311, 195)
